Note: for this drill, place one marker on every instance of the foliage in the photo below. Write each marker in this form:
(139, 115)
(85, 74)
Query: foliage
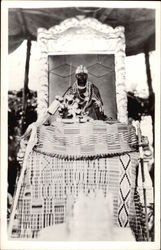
(18, 121)
(138, 107)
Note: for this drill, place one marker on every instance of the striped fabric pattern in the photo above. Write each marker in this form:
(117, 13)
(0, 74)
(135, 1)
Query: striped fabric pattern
(51, 183)
(94, 138)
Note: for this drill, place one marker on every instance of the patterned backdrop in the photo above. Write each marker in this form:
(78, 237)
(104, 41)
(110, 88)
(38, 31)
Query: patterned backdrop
(101, 73)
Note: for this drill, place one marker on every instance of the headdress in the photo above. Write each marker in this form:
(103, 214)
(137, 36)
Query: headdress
(81, 69)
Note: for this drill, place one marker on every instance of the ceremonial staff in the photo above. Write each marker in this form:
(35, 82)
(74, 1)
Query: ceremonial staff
(142, 174)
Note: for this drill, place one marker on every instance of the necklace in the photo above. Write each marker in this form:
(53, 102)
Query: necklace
(86, 99)
(86, 94)
(79, 87)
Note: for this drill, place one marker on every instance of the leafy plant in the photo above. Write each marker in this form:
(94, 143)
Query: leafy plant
(18, 121)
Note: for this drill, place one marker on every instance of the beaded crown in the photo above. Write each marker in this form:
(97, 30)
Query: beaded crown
(81, 69)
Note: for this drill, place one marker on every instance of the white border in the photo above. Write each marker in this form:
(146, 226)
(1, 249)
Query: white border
(14, 245)
(105, 4)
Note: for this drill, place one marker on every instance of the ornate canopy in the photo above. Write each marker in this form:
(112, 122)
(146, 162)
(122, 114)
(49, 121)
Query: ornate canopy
(23, 23)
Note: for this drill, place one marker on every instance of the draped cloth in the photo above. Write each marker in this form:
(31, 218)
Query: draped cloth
(85, 140)
(54, 177)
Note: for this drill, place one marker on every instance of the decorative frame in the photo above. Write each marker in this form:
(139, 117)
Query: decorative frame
(81, 35)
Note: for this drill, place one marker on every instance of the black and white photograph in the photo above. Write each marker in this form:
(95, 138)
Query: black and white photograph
(80, 125)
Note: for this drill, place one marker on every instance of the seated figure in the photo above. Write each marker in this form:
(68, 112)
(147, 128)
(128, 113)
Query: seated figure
(85, 96)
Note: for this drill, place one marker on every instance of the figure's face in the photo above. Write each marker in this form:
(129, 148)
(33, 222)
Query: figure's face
(82, 78)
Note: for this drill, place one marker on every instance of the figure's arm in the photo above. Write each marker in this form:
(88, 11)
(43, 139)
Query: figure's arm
(55, 104)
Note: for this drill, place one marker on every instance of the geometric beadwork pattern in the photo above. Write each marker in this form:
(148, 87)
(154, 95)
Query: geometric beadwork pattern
(85, 139)
(99, 70)
(64, 70)
(50, 183)
(125, 188)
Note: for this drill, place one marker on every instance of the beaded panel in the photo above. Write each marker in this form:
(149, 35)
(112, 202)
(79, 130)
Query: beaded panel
(50, 183)
(90, 139)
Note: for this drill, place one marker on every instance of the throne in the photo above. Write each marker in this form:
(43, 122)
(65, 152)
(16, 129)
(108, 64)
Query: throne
(58, 167)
